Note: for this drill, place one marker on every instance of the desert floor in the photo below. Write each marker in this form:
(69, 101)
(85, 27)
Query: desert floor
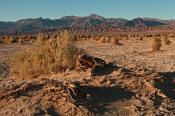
(136, 82)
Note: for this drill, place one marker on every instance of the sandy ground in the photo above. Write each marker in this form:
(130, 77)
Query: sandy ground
(6, 50)
(134, 54)
(138, 83)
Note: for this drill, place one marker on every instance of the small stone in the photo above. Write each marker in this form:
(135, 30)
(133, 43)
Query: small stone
(138, 95)
(108, 82)
(20, 110)
(160, 108)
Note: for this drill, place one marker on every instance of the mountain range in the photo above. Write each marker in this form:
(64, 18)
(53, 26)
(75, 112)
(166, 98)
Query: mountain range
(26, 25)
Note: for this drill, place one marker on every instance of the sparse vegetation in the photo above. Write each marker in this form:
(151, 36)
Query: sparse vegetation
(107, 40)
(97, 38)
(141, 38)
(47, 56)
(115, 40)
(102, 40)
(155, 44)
(12, 40)
(20, 41)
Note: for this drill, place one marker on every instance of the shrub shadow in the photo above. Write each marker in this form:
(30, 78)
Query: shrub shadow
(52, 112)
(102, 70)
(119, 44)
(103, 96)
(167, 85)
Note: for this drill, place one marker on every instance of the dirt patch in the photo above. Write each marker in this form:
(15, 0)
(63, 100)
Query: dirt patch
(122, 92)
(44, 96)
(133, 82)
(6, 50)
(133, 54)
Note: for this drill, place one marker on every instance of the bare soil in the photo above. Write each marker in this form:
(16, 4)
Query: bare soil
(134, 54)
(136, 82)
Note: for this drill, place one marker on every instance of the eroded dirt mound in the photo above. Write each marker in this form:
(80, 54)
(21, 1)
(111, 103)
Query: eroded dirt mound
(42, 97)
(121, 92)
(132, 93)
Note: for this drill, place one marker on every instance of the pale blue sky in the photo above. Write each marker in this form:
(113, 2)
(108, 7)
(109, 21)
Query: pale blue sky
(12, 10)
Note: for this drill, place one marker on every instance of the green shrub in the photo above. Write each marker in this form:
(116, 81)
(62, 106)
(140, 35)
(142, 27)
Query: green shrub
(46, 57)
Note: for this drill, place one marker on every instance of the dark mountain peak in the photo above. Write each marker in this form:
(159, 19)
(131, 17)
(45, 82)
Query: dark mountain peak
(138, 20)
(24, 21)
(120, 18)
(26, 25)
(95, 16)
(69, 17)
(28, 19)
(143, 22)
(150, 19)
(40, 18)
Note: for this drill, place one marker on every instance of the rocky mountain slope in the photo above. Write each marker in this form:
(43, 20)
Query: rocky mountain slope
(26, 25)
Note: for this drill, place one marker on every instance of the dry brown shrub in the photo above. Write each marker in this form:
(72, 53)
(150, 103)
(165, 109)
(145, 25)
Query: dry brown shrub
(107, 39)
(83, 38)
(92, 36)
(12, 39)
(80, 36)
(54, 36)
(96, 38)
(102, 40)
(32, 40)
(155, 44)
(47, 37)
(47, 57)
(20, 41)
(28, 37)
(141, 38)
(125, 38)
(115, 40)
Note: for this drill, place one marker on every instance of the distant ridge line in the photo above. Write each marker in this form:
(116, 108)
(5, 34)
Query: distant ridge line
(27, 25)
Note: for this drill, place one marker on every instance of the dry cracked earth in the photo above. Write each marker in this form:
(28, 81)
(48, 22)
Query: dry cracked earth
(135, 82)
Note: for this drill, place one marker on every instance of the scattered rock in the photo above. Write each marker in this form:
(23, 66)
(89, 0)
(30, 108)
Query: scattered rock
(85, 62)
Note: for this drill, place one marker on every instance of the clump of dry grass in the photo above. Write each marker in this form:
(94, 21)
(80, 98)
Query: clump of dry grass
(47, 56)
(12, 39)
(166, 41)
(115, 40)
(107, 40)
(20, 40)
(92, 37)
(102, 40)
(141, 38)
(155, 44)
(96, 38)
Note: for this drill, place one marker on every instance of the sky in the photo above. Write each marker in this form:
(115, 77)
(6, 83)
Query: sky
(13, 10)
